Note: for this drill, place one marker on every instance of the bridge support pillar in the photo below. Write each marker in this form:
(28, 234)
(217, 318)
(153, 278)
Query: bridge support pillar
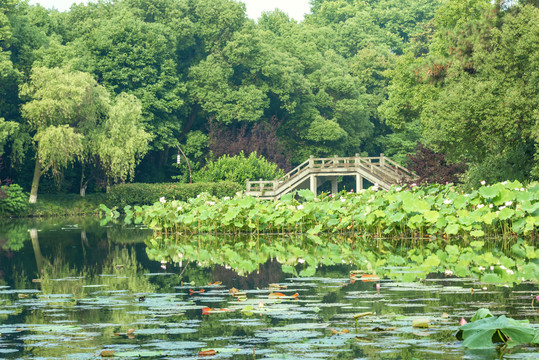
(359, 183)
(334, 186)
(314, 184)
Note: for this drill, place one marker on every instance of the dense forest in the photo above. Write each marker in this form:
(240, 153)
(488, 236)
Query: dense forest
(106, 92)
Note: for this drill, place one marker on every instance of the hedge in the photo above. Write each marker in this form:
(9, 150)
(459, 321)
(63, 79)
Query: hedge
(147, 194)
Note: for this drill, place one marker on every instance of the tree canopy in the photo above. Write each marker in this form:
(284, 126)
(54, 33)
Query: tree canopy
(120, 84)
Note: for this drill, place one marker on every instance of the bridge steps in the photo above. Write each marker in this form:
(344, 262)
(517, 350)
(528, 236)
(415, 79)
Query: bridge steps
(378, 170)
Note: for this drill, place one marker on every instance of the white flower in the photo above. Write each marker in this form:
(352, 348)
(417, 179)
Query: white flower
(414, 184)
(522, 189)
(162, 200)
(199, 195)
(479, 206)
(301, 261)
(228, 267)
(483, 182)
(509, 271)
(179, 208)
(226, 198)
(210, 203)
(504, 183)
(508, 203)
(342, 199)
(491, 268)
(163, 261)
(501, 207)
(466, 195)
(180, 255)
(300, 207)
(480, 268)
(448, 272)
(398, 189)
(490, 206)
(447, 201)
(503, 267)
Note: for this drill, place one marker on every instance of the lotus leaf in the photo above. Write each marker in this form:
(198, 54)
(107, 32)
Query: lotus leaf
(485, 332)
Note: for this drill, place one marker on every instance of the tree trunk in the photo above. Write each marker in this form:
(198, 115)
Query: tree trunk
(83, 184)
(35, 181)
(190, 122)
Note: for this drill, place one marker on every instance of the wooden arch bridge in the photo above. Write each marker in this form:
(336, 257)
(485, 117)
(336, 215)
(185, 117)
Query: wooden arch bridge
(312, 173)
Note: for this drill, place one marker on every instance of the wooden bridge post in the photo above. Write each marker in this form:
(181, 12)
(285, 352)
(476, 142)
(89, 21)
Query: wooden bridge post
(248, 186)
(313, 184)
(261, 187)
(357, 160)
(334, 186)
(382, 160)
(359, 183)
(311, 161)
(275, 184)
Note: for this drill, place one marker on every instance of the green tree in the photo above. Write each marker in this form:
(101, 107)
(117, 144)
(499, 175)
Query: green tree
(120, 141)
(60, 102)
(73, 119)
(475, 91)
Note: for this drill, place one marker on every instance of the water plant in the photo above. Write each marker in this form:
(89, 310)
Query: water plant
(435, 211)
(484, 330)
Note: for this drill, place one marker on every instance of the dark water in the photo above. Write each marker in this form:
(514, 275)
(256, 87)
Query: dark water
(71, 289)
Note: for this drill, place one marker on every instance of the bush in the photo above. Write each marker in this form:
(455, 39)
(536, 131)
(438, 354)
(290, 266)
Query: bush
(147, 194)
(238, 169)
(13, 200)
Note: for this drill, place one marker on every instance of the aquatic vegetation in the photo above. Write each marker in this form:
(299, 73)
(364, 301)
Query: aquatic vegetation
(484, 330)
(503, 209)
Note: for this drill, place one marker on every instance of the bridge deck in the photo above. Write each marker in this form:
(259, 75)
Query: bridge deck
(378, 170)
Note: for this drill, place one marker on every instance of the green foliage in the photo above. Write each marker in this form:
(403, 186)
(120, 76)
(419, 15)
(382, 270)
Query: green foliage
(353, 77)
(485, 330)
(503, 209)
(121, 140)
(143, 194)
(238, 169)
(58, 147)
(473, 89)
(66, 205)
(195, 147)
(13, 200)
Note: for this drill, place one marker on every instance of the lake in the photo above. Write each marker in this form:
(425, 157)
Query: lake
(71, 288)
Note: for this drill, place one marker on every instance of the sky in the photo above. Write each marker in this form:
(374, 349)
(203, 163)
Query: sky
(294, 8)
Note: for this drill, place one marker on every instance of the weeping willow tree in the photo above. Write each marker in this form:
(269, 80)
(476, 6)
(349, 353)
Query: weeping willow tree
(74, 119)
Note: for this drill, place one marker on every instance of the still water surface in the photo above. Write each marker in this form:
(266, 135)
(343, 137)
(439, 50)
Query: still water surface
(71, 289)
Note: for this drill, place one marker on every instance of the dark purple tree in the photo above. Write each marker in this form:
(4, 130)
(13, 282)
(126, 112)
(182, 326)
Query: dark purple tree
(432, 167)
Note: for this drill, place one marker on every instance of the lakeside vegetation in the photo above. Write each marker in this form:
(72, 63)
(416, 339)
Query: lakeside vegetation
(504, 209)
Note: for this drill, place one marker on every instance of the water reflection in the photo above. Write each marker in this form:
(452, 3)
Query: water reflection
(74, 289)
(302, 256)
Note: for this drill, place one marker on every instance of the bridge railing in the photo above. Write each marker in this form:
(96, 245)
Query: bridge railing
(380, 166)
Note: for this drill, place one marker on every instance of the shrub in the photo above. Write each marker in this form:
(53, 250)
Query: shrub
(238, 169)
(13, 200)
(147, 194)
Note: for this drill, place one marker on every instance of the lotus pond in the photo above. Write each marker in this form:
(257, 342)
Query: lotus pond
(73, 289)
